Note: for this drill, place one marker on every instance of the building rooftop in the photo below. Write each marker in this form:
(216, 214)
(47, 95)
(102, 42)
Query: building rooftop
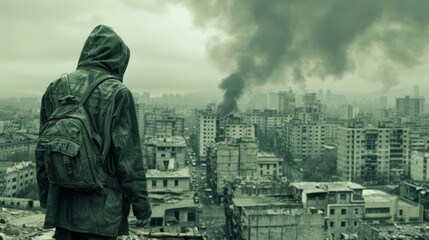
(8, 167)
(372, 195)
(277, 211)
(403, 231)
(263, 201)
(327, 186)
(178, 173)
(174, 141)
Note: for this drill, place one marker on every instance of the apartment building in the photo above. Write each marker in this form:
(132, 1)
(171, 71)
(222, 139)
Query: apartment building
(269, 164)
(15, 177)
(267, 122)
(307, 141)
(17, 145)
(341, 203)
(177, 180)
(164, 153)
(268, 218)
(207, 124)
(252, 212)
(372, 155)
(229, 160)
(409, 106)
(286, 104)
(381, 207)
(418, 192)
(231, 128)
(179, 213)
(419, 165)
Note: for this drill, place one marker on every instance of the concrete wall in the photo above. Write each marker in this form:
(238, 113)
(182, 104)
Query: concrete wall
(286, 227)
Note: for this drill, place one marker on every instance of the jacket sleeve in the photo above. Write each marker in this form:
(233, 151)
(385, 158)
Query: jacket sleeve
(42, 178)
(128, 154)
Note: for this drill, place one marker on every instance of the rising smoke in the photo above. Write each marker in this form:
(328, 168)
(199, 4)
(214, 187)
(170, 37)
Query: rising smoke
(291, 40)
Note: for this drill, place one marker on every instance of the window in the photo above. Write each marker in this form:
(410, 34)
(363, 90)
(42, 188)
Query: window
(356, 210)
(343, 223)
(164, 183)
(176, 215)
(343, 196)
(176, 183)
(343, 211)
(332, 211)
(153, 183)
(191, 217)
(401, 212)
(356, 223)
(332, 224)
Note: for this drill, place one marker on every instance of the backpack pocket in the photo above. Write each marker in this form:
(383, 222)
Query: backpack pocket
(61, 158)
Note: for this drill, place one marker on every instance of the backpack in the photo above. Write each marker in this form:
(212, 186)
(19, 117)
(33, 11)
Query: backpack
(68, 144)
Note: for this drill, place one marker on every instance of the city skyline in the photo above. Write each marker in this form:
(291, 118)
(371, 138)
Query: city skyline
(170, 49)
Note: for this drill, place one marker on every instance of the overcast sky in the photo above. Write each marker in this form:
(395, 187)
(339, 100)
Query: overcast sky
(171, 50)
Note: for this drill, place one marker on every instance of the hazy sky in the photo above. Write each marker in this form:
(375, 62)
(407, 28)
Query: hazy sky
(185, 46)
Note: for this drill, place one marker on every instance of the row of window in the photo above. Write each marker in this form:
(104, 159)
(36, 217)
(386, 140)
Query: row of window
(343, 210)
(342, 224)
(164, 183)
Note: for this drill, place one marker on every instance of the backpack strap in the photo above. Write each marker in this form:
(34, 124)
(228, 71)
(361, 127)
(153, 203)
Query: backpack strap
(93, 85)
(65, 83)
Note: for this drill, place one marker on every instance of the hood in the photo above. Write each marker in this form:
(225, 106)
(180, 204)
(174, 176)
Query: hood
(105, 49)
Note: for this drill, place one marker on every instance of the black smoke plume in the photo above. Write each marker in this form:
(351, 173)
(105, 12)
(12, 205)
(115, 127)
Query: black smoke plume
(291, 40)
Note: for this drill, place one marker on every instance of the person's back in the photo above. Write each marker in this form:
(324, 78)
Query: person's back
(104, 211)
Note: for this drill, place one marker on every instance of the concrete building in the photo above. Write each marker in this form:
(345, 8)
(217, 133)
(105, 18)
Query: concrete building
(417, 192)
(17, 147)
(183, 213)
(177, 180)
(312, 111)
(267, 122)
(229, 160)
(409, 106)
(381, 207)
(164, 153)
(231, 128)
(207, 125)
(419, 165)
(252, 214)
(371, 155)
(15, 177)
(349, 111)
(341, 202)
(286, 104)
(269, 164)
(305, 141)
(405, 231)
(278, 223)
(162, 122)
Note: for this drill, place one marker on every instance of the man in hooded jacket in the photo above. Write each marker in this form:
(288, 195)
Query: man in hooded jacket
(102, 213)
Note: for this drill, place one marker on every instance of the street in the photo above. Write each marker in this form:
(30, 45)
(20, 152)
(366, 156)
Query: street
(211, 215)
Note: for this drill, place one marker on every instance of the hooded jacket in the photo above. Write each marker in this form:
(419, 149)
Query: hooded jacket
(112, 111)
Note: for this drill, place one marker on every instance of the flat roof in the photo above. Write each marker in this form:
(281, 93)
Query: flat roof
(277, 211)
(327, 186)
(174, 141)
(260, 201)
(178, 173)
(373, 195)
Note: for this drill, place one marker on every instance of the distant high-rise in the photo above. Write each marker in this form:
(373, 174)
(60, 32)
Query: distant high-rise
(383, 102)
(416, 91)
(371, 155)
(409, 106)
(286, 102)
